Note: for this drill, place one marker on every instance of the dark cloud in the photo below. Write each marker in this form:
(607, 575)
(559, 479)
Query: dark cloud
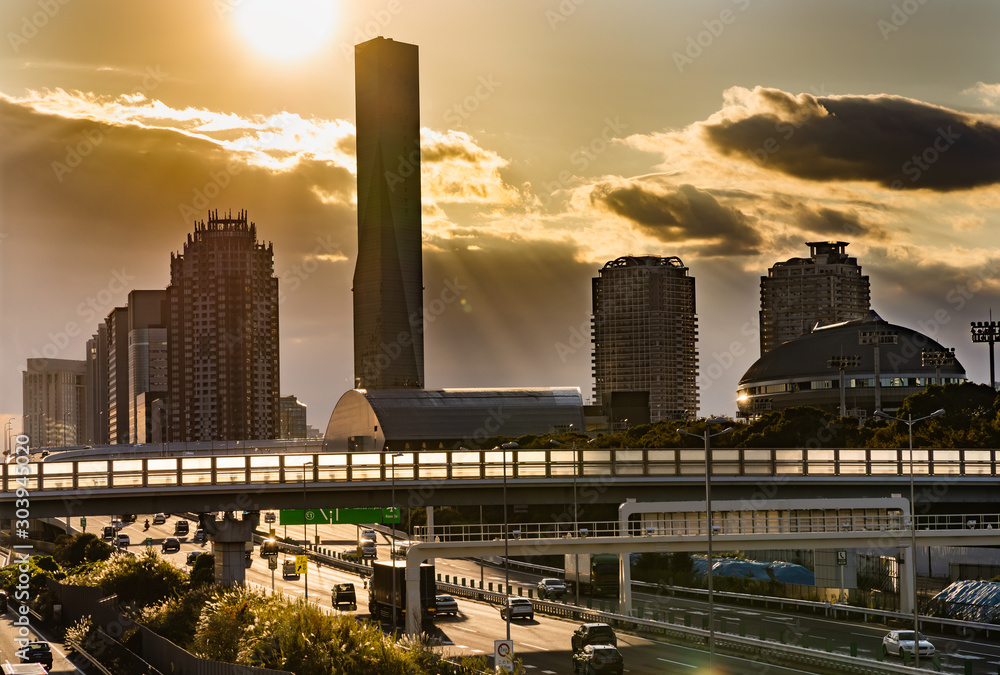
(896, 142)
(831, 223)
(680, 214)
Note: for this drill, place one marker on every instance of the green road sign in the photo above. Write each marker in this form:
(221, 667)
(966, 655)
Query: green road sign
(335, 516)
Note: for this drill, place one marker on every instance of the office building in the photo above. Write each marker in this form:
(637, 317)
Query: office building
(222, 336)
(54, 402)
(147, 365)
(118, 385)
(801, 293)
(97, 387)
(388, 277)
(292, 418)
(645, 337)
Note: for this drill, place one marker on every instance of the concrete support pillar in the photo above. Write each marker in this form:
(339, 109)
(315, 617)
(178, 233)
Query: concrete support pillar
(229, 537)
(625, 583)
(430, 527)
(414, 620)
(907, 568)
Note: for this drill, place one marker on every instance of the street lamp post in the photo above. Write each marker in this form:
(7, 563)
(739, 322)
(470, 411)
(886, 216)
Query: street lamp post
(909, 422)
(392, 550)
(576, 518)
(506, 559)
(708, 518)
(305, 530)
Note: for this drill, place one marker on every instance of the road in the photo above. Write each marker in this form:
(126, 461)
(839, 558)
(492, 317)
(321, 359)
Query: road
(543, 644)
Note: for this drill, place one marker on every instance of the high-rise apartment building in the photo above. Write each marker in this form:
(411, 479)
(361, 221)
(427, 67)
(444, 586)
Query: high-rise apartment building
(97, 387)
(147, 365)
(388, 277)
(796, 295)
(293, 417)
(223, 334)
(645, 339)
(55, 402)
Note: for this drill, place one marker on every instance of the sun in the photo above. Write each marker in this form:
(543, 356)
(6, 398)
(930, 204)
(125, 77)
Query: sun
(285, 30)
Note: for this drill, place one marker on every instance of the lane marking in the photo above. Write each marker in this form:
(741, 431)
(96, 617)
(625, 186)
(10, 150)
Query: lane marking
(541, 649)
(676, 663)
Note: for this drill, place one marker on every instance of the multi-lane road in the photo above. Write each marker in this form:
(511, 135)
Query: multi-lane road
(544, 643)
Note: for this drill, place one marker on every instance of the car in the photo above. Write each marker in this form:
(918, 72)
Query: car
(598, 659)
(122, 540)
(269, 547)
(3, 601)
(199, 535)
(898, 642)
(352, 553)
(289, 569)
(518, 607)
(193, 556)
(269, 517)
(181, 528)
(343, 594)
(108, 532)
(369, 534)
(37, 652)
(159, 519)
(170, 544)
(368, 549)
(117, 524)
(445, 604)
(551, 588)
(593, 634)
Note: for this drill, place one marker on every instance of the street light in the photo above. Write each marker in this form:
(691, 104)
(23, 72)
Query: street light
(987, 332)
(392, 550)
(842, 363)
(708, 518)
(506, 558)
(909, 422)
(305, 530)
(576, 520)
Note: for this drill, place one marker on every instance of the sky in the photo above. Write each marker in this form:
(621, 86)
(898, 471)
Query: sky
(557, 135)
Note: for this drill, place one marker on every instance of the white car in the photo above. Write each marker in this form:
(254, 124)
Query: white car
(123, 540)
(519, 608)
(899, 642)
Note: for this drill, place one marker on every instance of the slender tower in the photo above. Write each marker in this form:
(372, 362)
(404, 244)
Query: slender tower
(388, 278)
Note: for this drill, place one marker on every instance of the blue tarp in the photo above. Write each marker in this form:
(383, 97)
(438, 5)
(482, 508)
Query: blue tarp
(969, 601)
(786, 573)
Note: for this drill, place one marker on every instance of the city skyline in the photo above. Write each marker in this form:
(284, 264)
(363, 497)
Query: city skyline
(727, 134)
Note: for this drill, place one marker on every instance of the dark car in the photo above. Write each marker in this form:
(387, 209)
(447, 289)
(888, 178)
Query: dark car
(445, 604)
(108, 532)
(37, 652)
(193, 556)
(199, 535)
(170, 544)
(181, 528)
(593, 634)
(3, 601)
(551, 588)
(598, 659)
(343, 594)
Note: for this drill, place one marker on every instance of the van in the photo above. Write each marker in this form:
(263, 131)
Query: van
(288, 569)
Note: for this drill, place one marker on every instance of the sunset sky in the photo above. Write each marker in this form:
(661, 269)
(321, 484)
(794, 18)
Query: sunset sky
(557, 135)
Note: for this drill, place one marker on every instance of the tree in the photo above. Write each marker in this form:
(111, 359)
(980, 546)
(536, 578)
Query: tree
(140, 581)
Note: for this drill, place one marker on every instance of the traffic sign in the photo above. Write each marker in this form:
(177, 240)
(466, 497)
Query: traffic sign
(841, 557)
(301, 564)
(503, 655)
(334, 516)
(272, 562)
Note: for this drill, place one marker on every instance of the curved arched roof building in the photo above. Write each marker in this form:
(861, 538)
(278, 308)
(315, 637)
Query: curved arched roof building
(431, 419)
(800, 373)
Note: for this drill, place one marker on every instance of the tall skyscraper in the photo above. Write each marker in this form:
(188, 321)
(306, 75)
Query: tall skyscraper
(388, 277)
(97, 387)
(118, 390)
(645, 340)
(827, 287)
(55, 402)
(293, 417)
(223, 334)
(147, 365)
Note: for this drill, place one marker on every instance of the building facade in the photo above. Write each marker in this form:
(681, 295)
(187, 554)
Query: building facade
(97, 387)
(222, 336)
(118, 385)
(645, 334)
(293, 418)
(388, 277)
(796, 295)
(147, 365)
(55, 402)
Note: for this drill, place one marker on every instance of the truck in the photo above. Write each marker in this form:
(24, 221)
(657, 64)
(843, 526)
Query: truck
(380, 591)
(596, 573)
(288, 570)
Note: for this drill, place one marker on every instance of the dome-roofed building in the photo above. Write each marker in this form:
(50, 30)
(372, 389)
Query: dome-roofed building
(805, 372)
(445, 419)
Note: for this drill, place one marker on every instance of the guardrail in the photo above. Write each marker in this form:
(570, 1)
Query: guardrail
(291, 468)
